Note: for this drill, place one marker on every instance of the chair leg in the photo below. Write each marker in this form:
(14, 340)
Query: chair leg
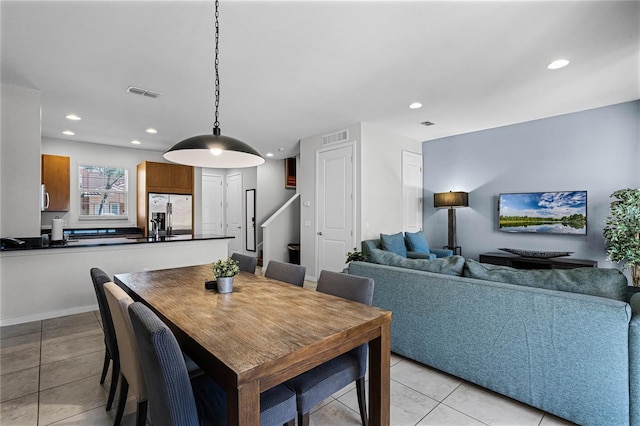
(303, 419)
(141, 413)
(114, 383)
(362, 401)
(122, 400)
(105, 366)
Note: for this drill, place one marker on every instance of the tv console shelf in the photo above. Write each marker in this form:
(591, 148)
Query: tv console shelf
(520, 262)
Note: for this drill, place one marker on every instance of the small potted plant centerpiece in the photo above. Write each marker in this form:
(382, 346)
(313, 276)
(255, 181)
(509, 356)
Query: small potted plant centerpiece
(622, 231)
(225, 270)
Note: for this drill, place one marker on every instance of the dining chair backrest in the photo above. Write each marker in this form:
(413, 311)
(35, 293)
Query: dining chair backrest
(286, 272)
(246, 263)
(169, 391)
(351, 287)
(130, 367)
(99, 277)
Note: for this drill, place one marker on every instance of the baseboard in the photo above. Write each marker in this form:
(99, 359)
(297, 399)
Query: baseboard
(47, 315)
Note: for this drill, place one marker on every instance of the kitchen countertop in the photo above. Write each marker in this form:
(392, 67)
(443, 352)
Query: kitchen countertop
(114, 241)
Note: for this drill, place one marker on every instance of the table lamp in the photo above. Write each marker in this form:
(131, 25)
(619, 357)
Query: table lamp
(451, 200)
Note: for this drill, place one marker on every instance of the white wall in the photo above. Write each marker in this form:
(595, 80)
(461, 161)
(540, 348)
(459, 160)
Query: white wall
(306, 186)
(282, 230)
(270, 193)
(381, 180)
(98, 155)
(596, 150)
(378, 169)
(20, 162)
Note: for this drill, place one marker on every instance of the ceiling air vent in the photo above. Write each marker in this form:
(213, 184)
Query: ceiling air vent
(341, 136)
(143, 92)
(427, 123)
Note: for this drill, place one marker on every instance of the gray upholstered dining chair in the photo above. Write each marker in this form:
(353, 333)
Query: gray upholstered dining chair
(130, 369)
(99, 277)
(246, 263)
(174, 399)
(317, 384)
(286, 272)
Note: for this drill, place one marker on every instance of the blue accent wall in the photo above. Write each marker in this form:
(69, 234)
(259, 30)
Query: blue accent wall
(596, 150)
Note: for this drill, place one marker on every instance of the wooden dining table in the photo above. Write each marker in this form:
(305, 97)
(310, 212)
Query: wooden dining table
(263, 333)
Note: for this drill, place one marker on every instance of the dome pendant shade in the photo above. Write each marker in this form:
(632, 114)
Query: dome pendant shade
(215, 151)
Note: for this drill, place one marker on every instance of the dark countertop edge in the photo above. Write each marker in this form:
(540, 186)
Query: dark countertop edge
(120, 241)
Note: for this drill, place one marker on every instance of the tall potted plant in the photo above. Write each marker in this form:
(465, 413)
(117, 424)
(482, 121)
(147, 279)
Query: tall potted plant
(622, 231)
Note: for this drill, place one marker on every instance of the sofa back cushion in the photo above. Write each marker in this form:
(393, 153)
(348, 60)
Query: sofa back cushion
(610, 283)
(452, 265)
(394, 243)
(416, 241)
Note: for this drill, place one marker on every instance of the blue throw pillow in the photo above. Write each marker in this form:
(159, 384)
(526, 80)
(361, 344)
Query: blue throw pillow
(394, 243)
(417, 242)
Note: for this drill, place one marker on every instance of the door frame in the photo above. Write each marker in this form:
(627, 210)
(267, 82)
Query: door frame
(352, 145)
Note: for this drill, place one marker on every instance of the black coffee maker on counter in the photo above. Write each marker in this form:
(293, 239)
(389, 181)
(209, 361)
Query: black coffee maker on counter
(158, 224)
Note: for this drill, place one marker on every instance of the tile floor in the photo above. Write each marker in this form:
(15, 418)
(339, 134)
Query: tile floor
(50, 373)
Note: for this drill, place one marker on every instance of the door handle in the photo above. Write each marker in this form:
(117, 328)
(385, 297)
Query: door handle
(239, 227)
(319, 232)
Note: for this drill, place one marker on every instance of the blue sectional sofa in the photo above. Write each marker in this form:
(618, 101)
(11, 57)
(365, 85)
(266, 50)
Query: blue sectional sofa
(574, 355)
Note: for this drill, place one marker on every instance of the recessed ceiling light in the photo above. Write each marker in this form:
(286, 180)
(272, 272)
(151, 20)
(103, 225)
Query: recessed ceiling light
(269, 154)
(151, 130)
(281, 148)
(415, 105)
(68, 133)
(136, 142)
(73, 117)
(557, 64)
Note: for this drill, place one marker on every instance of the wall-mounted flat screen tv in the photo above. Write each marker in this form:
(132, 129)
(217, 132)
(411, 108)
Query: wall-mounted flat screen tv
(544, 212)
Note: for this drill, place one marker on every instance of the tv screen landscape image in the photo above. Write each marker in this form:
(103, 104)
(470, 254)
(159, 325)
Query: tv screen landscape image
(544, 212)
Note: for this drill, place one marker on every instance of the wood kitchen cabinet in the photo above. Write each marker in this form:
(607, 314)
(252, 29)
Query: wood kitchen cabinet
(165, 178)
(55, 175)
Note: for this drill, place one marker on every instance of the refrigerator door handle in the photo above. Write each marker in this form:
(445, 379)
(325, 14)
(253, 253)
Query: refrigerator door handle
(169, 219)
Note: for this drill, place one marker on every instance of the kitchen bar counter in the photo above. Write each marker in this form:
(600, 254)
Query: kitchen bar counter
(34, 243)
(43, 283)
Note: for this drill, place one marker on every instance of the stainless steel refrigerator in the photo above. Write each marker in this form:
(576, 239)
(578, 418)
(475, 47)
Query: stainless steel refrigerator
(173, 213)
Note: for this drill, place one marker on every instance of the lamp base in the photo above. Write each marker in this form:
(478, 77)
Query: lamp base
(452, 227)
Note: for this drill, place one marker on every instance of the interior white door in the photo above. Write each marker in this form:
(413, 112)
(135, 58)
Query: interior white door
(212, 207)
(335, 204)
(234, 213)
(411, 191)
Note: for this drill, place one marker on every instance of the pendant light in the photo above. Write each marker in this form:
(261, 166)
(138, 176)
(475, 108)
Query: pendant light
(214, 150)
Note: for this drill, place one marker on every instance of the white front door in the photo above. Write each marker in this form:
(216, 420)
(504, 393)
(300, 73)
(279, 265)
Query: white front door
(212, 208)
(411, 191)
(335, 201)
(234, 212)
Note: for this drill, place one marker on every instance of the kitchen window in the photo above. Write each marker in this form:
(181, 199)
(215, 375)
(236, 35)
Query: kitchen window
(103, 192)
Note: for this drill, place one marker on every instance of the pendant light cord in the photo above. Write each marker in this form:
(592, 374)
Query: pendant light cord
(216, 123)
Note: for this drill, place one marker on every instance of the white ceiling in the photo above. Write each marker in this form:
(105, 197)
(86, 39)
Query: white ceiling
(292, 69)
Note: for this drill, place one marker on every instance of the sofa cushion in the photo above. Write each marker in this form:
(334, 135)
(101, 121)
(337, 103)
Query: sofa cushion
(601, 282)
(416, 241)
(452, 265)
(394, 243)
